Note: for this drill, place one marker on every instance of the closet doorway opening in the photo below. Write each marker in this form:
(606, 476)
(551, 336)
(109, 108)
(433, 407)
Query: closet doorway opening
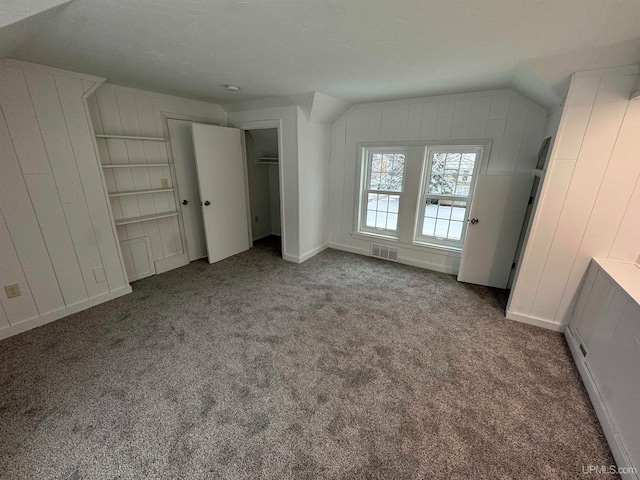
(263, 178)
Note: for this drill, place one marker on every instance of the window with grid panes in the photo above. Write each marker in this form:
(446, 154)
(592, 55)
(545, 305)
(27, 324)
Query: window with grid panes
(449, 175)
(382, 187)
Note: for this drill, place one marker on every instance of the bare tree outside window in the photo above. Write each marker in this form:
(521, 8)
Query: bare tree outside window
(384, 182)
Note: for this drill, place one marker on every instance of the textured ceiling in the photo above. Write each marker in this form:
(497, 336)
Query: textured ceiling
(357, 50)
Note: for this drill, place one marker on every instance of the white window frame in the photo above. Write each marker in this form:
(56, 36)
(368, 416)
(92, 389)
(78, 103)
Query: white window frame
(430, 150)
(365, 177)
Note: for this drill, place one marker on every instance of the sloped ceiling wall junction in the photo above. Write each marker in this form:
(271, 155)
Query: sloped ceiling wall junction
(359, 51)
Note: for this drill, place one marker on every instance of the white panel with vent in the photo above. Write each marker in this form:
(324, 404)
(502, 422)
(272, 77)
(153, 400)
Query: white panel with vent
(384, 251)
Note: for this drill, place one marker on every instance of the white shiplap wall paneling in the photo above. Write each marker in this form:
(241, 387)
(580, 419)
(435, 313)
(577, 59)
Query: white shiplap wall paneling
(44, 195)
(575, 117)
(557, 184)
(588, 205)
(86, 247)
(533, 131)
(499, 107)
(80, 133)
(429, 121)
(387, 121)
(626, 245)
(616, 187)
(21, 120)
(495, 130)
(479, 116)
(512, 138)
(414, 122)
(68, 186)
(4, 321)
(42, 90)
(461, 118)
(22, 223)
(144, 112)
(19, 308)
(599, 140)
(54, 219)
(443, 128)
(514, 125)
(400, 122)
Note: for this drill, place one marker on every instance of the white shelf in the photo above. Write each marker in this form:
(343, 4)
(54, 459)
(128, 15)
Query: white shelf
(129, 137)
(134, 165)
(139, 192)
(144, 218)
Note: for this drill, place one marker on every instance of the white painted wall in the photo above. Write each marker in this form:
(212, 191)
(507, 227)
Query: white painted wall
(514, 125)
(590, 200)
(57, 240)
(125, 111)
(314, 143)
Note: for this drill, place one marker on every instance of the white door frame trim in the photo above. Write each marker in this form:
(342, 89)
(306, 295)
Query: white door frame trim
(263, 125)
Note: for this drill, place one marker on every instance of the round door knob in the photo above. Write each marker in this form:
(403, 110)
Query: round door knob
(185, 202)
(207, 203)
(474, 221)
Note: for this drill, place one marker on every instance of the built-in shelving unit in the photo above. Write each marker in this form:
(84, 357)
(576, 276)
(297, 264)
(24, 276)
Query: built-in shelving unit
(130, 137)
(145, 191)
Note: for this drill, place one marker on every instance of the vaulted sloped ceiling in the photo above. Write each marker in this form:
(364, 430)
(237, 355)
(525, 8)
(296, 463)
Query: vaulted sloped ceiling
(357, 50)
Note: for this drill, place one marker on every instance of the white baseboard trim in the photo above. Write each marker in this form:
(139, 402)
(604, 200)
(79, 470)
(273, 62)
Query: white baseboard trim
(34, 322)
(349, 248)
(313, 252)
(538, 322)
(608, 426)
(290, 258)
(403, 260)
(429, 266)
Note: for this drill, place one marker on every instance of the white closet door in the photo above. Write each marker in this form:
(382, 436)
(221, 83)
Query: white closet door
(219, 160)
(497, 212)
(187, 177)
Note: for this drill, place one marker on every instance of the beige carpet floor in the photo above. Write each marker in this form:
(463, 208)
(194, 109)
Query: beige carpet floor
(343, 367)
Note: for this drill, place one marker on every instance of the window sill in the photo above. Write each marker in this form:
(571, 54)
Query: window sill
(438, 246)
(370, 235)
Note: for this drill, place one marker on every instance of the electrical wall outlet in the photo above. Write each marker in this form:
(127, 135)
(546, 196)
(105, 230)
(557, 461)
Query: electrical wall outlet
(12, 291)
(164, 182)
